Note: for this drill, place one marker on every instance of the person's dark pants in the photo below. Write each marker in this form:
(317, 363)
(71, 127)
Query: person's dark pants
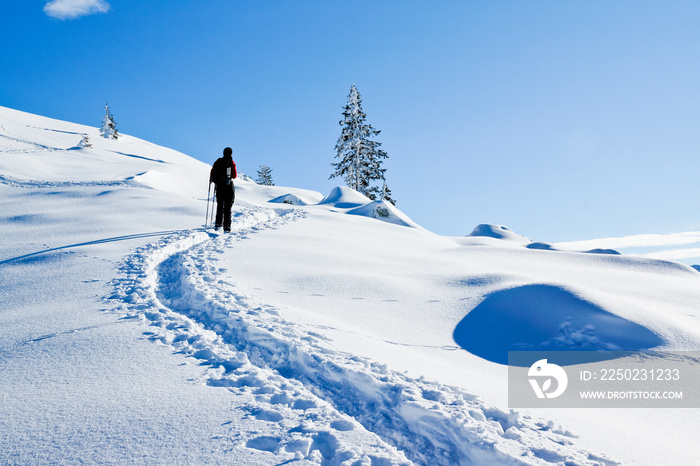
(224, 201)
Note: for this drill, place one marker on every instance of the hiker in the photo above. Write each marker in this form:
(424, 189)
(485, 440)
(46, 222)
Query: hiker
(222, 175)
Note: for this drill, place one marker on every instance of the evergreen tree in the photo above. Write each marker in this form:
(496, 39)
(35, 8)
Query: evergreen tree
(386, 194)
(264, 176)
(360, 157)
(85, 142)
(109, 127)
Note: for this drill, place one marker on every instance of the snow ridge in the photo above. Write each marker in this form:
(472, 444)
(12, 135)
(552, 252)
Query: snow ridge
(315, 401)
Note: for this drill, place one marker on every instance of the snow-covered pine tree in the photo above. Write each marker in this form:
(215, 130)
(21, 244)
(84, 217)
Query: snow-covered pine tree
(386, 194)
(360, 157)
(264, 176)
(109, 127)
(85, 142)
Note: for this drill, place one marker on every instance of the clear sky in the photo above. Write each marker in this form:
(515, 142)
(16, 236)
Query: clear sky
(564, 120)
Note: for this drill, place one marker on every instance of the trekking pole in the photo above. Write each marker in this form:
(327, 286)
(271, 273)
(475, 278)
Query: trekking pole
(206, 219)
(212, 206)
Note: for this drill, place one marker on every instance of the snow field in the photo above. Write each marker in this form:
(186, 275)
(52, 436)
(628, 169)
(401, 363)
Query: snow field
(305, 336)
(251, 350)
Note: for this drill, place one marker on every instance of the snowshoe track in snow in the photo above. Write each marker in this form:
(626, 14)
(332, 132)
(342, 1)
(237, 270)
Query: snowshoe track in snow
(317, 404)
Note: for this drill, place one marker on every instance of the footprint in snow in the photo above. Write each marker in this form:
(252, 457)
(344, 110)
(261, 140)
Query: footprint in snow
(264, 443)
(266, 415)
(303, 404)
(342, 425)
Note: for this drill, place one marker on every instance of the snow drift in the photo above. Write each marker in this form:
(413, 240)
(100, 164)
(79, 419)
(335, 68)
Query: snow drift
(382, 210)
(291, 199)
(344, 198)
(498, 232)
(542, 317)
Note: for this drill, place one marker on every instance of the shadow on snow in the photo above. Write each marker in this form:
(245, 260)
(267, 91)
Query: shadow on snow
(546, 318)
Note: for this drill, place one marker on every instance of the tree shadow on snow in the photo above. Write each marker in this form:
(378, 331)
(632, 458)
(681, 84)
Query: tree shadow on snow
(547, 318)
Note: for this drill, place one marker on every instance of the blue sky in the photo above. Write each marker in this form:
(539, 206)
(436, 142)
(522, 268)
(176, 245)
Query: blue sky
(564, 120)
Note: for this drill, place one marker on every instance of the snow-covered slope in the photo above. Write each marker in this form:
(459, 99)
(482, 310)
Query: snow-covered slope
(322, 330)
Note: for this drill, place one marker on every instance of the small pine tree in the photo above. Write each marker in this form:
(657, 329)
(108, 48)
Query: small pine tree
(109, 127)
(85, 142)
(386, 194)
(360, 157)
(265, 176)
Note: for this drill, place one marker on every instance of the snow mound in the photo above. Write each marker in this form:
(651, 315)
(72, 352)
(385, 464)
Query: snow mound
(603, 251)
(382, 210)
(345, 198)
(292, 199)
(498, 232)
(262, 195)
(544, 317)
(541, 246)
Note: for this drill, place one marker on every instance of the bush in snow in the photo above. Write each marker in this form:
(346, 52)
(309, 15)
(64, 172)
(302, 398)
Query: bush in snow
(382, 212)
